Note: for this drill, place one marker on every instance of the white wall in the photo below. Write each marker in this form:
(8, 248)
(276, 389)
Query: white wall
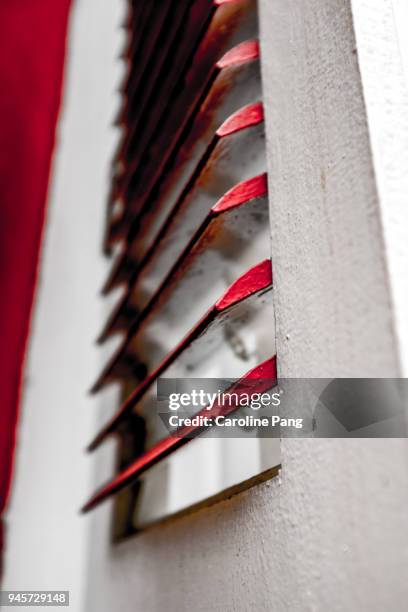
(382, 37)
(47, 538)
(332, 532)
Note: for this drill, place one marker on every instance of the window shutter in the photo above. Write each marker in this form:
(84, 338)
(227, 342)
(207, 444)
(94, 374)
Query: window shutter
(187, 215)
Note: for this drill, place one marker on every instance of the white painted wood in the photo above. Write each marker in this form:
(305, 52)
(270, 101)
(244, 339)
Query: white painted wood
(334, 310)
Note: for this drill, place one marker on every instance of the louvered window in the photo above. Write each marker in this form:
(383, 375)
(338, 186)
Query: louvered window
(188, 233)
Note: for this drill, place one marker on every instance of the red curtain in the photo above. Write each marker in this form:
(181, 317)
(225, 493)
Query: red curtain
(32, 48)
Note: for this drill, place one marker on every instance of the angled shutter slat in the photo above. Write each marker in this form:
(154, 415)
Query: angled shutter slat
(230, 227)
(249, 287)
(237, 85)
(259, 380)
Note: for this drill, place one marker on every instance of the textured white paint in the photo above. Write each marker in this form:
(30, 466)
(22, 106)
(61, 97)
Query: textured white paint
(330, 535)
(333, 305)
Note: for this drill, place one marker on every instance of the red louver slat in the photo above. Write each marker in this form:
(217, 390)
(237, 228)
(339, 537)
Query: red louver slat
(262, 379)
(233, 221)
(237, 85)
(145, 63)
(153, 133)
(235, 151)
(249, 286)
